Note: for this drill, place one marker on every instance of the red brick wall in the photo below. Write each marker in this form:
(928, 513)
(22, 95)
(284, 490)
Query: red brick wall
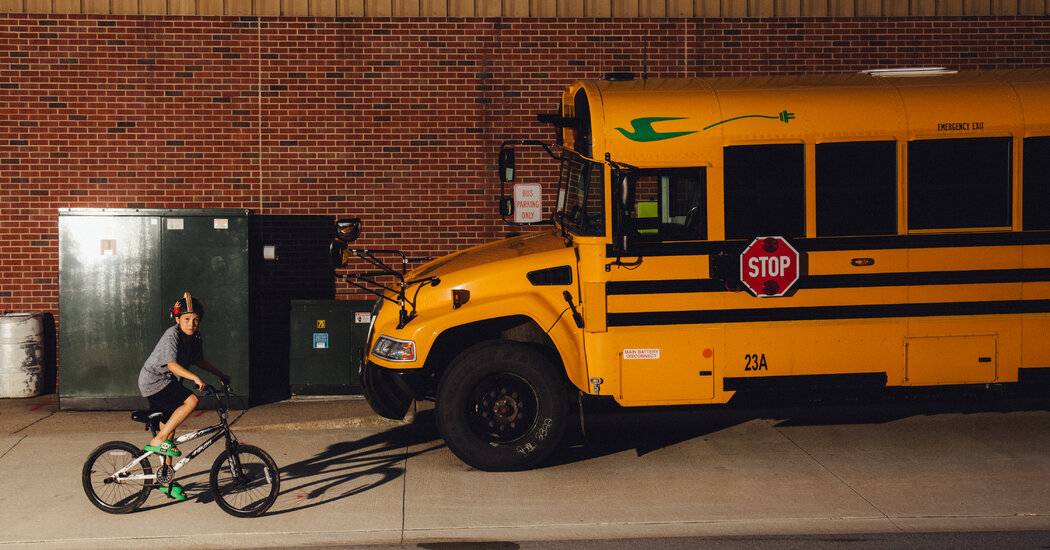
(394, 120)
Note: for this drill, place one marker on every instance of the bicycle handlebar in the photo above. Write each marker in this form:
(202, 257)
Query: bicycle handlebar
(209, 389)
(223, 401)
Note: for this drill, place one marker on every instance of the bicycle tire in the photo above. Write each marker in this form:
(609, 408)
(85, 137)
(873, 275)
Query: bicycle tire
(115, 497)
(253, 489)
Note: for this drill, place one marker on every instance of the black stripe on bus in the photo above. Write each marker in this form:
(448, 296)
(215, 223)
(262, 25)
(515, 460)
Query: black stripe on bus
(671, 286)
(925, 278)
(830, 244)
(816, 313)
(922, 278)
(802, 382)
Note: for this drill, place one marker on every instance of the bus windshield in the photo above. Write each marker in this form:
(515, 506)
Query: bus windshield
(581, 196)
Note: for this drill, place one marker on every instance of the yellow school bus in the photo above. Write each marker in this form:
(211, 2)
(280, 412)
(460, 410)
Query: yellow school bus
(717, 236)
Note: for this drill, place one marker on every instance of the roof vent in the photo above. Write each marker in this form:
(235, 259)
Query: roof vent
(910, 71)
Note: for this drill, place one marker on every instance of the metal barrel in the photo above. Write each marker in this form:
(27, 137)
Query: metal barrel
(21, 354)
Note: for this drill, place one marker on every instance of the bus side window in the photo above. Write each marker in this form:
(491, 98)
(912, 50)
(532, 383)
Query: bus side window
(1036, 185)
(645, 219)
(765, 190)
(959, 183)
(685, 192)
(670, 204)
(856, 188)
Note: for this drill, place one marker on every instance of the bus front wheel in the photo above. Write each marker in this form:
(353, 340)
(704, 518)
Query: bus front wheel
(502, 406)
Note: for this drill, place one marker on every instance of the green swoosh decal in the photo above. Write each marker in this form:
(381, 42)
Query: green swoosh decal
(784, 117)
(643, 130)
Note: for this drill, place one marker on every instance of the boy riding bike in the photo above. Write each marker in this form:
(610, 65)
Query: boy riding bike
(160, 379)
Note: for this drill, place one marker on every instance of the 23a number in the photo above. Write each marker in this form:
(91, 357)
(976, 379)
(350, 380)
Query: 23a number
(755, 361)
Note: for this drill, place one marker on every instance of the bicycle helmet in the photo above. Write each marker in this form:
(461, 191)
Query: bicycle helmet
(187, 304)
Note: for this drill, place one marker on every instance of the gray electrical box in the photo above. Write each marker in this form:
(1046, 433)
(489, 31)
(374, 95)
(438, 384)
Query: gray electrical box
(327, 345)
(121, 270)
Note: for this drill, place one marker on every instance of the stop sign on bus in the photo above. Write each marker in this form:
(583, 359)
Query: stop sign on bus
(769, 267)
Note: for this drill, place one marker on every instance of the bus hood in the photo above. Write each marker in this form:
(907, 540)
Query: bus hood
(493, 271)
(489, 254)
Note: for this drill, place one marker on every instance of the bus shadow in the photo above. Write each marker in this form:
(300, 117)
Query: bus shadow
(349, 468)
(607, 428)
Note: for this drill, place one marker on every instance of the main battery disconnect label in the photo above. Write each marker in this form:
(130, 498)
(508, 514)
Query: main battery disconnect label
(641, 354)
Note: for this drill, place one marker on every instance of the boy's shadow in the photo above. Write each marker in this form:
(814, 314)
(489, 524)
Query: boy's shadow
(330, 475)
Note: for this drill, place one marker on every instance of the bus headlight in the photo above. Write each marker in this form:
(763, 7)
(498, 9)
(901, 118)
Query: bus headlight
(393, 349)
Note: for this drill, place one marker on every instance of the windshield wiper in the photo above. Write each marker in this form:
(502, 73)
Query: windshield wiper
(560, 218)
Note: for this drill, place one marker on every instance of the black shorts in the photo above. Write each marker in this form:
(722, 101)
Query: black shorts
(168, 399)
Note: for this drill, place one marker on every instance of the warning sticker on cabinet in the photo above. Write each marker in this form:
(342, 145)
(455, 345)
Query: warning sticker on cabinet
(641, 353)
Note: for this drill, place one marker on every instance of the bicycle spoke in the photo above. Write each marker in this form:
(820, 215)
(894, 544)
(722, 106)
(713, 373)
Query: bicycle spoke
(245, 483)
(106, 490)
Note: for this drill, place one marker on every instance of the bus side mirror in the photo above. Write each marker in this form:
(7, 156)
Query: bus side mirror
(347, 230)
(338, 254)
(506, 206)
(625, 191)
(623, 195)
(506, 165)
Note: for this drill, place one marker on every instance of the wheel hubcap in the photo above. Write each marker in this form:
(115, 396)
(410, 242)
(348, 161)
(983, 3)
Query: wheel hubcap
(502, 408)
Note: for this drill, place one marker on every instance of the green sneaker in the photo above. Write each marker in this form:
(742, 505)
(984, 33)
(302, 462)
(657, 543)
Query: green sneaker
(166, 448)
(174, 491)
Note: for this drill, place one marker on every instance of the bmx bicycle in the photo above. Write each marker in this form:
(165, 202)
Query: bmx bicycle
(119, 476)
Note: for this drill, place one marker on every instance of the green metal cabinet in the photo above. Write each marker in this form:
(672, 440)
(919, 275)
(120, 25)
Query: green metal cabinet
(327, 344)
(120, 271)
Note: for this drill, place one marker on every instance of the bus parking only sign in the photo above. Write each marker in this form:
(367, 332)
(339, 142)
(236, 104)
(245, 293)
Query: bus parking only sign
(527, 205)
(769, 267)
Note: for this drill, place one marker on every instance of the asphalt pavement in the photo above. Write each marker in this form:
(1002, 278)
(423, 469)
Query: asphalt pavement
(349, 477)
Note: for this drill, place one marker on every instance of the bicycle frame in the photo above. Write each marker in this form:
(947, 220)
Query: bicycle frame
(223, 429)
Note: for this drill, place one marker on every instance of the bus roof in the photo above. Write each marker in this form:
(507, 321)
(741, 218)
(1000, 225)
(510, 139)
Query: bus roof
(669, 122)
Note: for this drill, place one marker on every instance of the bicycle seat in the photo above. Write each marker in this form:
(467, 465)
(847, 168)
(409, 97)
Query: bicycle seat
(148, 417)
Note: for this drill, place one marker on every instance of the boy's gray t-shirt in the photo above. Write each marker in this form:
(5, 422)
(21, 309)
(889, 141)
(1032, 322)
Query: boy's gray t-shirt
(171, 348)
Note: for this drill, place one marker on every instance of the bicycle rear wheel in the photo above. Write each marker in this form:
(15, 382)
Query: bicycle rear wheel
(246, 482)
(109, 493)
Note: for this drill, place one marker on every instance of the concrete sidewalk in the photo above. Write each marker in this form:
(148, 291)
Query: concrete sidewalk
(348, 477)
(309, 413)
(334, 458)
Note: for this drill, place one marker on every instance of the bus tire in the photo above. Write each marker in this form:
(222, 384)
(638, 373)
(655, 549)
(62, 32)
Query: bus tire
(502, 406)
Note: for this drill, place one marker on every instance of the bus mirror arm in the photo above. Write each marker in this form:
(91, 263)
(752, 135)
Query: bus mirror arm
(368, 281)
(622, 242)
(558, 120)
(618, 262)
(507, 160)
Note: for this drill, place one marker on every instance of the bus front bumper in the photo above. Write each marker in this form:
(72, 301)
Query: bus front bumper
(389, 392)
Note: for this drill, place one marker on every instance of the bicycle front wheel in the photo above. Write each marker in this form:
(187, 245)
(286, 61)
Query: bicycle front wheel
(109, 492)
(246, 482)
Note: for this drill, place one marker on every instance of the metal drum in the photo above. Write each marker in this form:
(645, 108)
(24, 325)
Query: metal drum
(21, 354)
